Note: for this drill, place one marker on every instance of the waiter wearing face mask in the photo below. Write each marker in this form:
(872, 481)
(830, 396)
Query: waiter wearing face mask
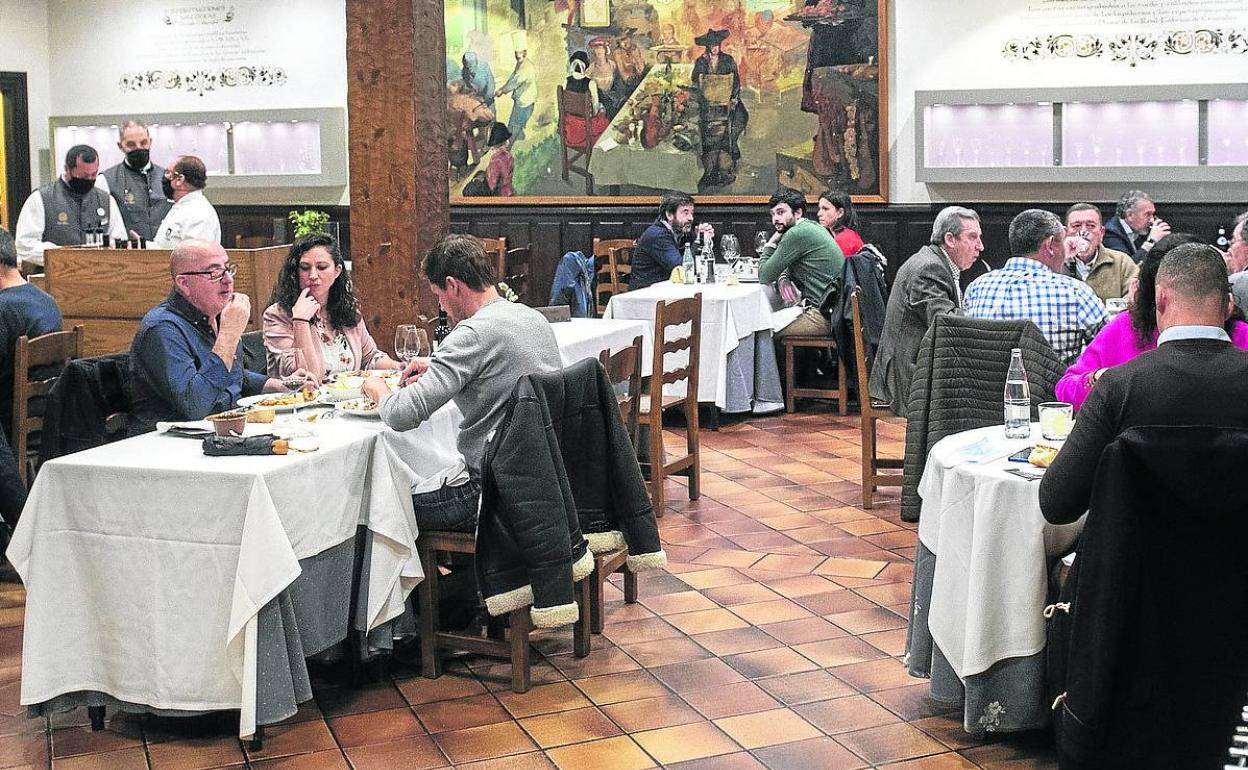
(191, 217)
(68, 210)
(135, 182)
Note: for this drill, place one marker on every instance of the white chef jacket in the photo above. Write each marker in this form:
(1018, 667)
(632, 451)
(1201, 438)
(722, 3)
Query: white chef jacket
(192, 217)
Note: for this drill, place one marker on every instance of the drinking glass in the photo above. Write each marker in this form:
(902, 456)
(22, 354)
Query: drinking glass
(1056, 418)
(760, 240)
(730, 247)
(411, 341)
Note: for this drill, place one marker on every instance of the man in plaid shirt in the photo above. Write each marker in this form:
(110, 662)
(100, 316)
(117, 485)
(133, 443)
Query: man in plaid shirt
(1032, 286)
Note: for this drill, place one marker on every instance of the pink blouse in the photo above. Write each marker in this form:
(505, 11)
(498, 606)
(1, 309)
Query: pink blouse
(1116, 344)
(279, 335)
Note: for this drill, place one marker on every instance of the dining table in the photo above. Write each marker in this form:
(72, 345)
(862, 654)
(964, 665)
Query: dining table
(581, 338)
(982, 580)
(737, 370)
(161, 579)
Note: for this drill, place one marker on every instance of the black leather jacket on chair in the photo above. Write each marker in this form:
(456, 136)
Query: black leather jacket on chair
(529, 544)
(612, 502)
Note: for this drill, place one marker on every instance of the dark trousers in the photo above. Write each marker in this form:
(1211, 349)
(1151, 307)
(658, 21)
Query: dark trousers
(449, 508)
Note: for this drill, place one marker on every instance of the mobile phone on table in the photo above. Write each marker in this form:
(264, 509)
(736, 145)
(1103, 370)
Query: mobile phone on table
(1021, 455)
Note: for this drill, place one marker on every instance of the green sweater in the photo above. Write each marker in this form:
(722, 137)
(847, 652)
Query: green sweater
(808, 252)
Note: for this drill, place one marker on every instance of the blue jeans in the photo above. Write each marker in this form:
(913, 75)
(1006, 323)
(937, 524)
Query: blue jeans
(449, 508)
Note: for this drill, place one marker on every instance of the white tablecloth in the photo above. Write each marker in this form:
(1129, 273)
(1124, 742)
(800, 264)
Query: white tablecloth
(992, 549)
(582, 338)
(146, 562)
(729, 314)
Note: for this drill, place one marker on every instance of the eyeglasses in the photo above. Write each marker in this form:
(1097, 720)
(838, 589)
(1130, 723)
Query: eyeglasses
(217, 273)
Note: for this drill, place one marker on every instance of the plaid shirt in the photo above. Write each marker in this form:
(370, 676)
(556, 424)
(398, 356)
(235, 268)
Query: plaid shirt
(1066, 310)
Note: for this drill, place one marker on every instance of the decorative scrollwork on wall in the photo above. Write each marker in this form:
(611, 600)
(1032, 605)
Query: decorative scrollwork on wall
(1130, 49)
(202, 81)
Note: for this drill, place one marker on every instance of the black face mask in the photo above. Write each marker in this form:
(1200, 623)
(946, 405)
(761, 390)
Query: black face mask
(80, 186)
(167, 187)
(137, 159)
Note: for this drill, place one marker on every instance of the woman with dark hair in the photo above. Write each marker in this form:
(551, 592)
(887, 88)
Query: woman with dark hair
(1133, 332)
(836, 213)
(315, 310)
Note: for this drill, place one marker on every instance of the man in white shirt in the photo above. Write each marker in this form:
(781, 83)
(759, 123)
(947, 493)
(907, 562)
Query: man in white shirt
(192, 216)
(68, 210)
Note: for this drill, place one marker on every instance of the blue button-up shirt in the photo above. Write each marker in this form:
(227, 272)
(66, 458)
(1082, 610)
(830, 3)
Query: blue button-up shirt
(1067, 311)
(174, 373)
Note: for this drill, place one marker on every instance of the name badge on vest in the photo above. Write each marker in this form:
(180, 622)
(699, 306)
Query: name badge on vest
(129, 198)
(62, 218)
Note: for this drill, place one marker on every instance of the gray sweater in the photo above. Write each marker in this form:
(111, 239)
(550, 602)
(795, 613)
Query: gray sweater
(477, 365)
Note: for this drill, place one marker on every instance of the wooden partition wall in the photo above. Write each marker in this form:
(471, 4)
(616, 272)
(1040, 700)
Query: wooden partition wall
(110, 290)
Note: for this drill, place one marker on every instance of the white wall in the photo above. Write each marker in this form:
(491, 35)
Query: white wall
(302, 41)
(25, 49)
(958, 45)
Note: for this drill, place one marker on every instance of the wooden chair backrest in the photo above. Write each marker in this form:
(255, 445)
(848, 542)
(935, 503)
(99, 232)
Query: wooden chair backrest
(625, 366)
(608, 278)
(498, 248)
(668, 316)
(515, 273)
(572, 103)
(49, 350)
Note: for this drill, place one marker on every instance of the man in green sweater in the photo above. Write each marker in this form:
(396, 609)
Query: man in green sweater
(808, 253)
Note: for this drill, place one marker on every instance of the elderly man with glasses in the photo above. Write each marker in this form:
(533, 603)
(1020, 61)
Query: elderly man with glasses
(186, 361)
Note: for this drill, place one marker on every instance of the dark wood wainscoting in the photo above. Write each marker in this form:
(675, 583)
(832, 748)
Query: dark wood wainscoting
(551, 231)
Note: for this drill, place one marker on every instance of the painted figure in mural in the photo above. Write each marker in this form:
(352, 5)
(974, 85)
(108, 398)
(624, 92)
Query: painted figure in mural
(468, 124)
(522, 85)
(629, 59)
(723, 116)
(477, 77)
(579, 82)
(606, 74)
(493, 176)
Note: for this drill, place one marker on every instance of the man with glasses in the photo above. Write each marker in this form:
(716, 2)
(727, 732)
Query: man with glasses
(192, 217)
(186, 361)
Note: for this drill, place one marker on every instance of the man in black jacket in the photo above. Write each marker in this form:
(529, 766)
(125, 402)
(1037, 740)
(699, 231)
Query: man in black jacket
(1194, 377)
(1135, 227)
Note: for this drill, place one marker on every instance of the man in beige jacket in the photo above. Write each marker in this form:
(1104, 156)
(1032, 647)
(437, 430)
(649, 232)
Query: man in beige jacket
(1107, 272)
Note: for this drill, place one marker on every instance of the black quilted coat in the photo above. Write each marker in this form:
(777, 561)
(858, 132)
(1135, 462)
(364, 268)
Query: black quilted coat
(959, 384)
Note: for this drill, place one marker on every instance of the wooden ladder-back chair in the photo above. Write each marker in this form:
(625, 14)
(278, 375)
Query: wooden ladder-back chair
(516, 265)
(668, 316)
(871, 410)
(515, 648)
(46, 356)
(623, 366)
(579, 105)
(497, 247)
(606, 274)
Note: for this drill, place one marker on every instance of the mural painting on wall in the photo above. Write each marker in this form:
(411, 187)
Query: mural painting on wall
(721, 98)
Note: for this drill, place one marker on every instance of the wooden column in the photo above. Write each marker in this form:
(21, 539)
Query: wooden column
(396, 111)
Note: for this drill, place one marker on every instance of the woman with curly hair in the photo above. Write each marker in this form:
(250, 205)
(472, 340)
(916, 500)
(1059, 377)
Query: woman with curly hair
(1135, 331)
(315, 310)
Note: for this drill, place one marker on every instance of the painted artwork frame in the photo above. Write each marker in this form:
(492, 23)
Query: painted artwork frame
(723, 99)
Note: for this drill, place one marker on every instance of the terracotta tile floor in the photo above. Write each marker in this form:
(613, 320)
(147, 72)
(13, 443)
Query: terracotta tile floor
(773, 640)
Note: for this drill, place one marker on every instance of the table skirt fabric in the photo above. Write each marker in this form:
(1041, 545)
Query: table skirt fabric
(752, 377)
(1010, 696)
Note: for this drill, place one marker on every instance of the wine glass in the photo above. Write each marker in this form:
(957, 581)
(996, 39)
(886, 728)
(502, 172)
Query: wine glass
(760, 240)
(411, 341)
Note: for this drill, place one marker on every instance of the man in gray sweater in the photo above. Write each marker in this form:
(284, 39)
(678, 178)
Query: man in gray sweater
(494, 344)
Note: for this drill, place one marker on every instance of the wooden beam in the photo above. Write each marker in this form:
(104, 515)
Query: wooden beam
(396, 107)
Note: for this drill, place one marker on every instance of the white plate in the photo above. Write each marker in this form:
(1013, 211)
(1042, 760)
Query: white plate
(353, 407)
(255, 400)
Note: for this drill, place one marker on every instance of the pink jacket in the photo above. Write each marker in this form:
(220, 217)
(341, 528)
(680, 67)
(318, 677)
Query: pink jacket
(1116, 344)
(279, 335)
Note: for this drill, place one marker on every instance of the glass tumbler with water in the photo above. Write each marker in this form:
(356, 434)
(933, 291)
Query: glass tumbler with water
(1017, 398)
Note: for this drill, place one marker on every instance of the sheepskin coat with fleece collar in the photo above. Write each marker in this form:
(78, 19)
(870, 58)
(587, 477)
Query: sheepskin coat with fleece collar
(611, 498)
(529, 544)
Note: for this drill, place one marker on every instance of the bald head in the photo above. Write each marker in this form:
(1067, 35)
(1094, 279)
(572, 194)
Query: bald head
(190, 255)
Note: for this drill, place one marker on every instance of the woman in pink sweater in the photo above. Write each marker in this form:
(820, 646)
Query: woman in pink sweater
(1133, 332)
